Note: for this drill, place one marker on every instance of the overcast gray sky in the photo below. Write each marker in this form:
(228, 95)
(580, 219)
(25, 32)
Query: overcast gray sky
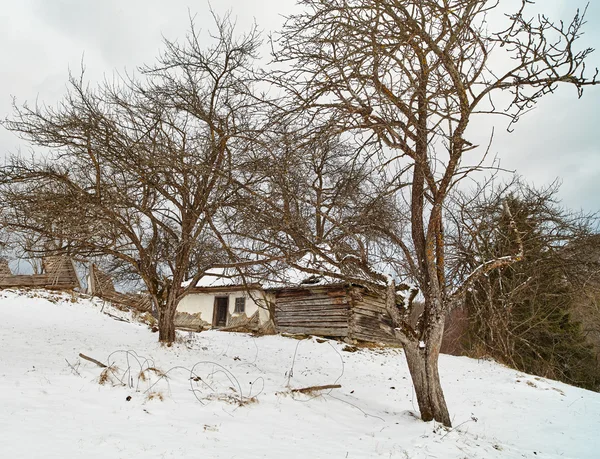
(42, 39)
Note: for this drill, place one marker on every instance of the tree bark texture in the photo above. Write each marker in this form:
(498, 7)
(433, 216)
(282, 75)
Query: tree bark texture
(422, 359)
(166, 322)
(422, 349)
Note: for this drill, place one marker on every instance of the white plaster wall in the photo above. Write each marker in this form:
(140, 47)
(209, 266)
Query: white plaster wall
(198, 304)
(263, 312)
(203, 304)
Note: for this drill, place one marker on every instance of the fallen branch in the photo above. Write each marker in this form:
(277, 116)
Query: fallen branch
(89, 359)
(306, 390)
(120, 319)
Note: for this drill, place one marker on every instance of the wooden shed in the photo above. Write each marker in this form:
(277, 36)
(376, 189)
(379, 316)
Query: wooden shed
(338, 310)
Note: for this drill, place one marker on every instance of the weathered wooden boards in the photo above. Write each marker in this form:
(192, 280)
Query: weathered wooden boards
(323, 310)
(101, 285)
(4, 269)
(370, 320)
(190, 322)
(59, 274)
(333, 310)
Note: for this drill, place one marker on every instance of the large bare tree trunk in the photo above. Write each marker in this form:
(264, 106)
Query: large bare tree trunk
(422, 359)
(166, 322)
(422, 349)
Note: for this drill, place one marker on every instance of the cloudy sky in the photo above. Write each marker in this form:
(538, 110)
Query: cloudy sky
(42, 39)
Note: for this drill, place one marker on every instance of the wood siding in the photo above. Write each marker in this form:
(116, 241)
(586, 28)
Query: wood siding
(59, 274)
(323, 311)
(370, 320)
(336, 311)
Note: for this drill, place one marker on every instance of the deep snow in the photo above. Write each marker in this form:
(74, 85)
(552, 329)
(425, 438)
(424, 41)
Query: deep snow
(48, 410)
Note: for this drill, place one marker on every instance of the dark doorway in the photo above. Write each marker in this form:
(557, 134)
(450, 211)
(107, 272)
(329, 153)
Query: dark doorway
(220, 314)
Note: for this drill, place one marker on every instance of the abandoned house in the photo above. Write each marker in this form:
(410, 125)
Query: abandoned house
(284, 300)
(292, 301)
(223, 299)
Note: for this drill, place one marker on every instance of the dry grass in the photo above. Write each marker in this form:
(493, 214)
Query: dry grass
(155, 396)
(143, 376)
(371, 345)
(108, 376)
(249, 401)
(145, 318)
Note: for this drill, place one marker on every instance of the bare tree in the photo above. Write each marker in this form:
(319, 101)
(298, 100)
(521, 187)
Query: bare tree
(409, 76)
(139, 167)
(529, 315)
(311, 196)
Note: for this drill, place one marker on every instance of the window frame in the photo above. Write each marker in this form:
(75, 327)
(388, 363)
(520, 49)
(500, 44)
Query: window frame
(239, 300)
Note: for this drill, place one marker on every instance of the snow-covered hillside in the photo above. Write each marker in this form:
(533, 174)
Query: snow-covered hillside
(52, 405)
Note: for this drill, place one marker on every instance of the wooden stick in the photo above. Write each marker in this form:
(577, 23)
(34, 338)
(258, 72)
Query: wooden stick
(73, 368)
(304, 390)
(115, 317)
(100, 364)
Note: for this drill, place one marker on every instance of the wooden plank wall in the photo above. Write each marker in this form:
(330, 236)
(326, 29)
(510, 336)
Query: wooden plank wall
(320, 311)
(60, 271)
(370, 320)
(22, 280)
(59, 274)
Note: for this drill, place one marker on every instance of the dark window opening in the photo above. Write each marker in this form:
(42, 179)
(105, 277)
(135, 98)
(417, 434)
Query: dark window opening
(240, 305)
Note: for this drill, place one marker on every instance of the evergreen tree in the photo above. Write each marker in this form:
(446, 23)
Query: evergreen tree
(521, 314)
